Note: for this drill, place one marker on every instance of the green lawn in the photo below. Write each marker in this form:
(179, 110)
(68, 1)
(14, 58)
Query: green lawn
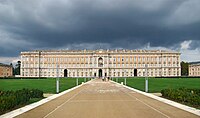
(49, 85)
(157, 84)
(46, 85)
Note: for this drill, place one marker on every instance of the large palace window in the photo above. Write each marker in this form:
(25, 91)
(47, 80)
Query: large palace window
(100, 62)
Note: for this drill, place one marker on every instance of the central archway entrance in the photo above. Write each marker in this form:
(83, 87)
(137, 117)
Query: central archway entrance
(100, 73)
(135, 72)
(65, 73)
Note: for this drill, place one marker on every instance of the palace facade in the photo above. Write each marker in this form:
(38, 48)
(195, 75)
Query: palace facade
(100, 63)
(6, 70)
(194, 69)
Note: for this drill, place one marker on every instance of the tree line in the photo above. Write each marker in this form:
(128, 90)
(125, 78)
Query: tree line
(184, 68)
(16, 68)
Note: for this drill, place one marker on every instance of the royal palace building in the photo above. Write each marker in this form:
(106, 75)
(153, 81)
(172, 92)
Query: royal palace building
(194, 69)
(6, 70)
(100, 63)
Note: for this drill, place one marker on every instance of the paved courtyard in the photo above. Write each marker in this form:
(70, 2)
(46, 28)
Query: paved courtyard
(97, 99)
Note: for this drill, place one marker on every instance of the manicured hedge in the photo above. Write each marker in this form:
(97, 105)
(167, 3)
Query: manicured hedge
(23, 77)
(189, 97)
(12, 99)
(35, 93)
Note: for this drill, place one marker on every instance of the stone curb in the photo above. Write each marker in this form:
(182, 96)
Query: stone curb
(26, 108)
(169, 102)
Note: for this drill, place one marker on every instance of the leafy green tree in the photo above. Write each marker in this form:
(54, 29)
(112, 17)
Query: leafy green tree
(17, 68)
(184, 68)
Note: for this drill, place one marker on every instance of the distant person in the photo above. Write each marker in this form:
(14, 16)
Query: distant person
(104, 79)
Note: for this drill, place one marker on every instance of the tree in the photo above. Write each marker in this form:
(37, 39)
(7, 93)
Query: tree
(184, 68)
(17, 68)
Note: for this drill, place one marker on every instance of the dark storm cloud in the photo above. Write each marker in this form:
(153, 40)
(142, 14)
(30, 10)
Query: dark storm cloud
(46, 24)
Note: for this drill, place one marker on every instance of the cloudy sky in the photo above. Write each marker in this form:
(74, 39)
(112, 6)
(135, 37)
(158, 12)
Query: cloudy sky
(92, 24)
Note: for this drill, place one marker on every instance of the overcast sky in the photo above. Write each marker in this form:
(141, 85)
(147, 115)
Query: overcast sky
(92, 24)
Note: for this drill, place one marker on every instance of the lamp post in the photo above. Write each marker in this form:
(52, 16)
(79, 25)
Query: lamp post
(146, 78)
(57, 80)
(125, 77)
(77, 81)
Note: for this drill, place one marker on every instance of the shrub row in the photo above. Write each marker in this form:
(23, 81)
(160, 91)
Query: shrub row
(12, 99)
(23, 77)
(182, 95)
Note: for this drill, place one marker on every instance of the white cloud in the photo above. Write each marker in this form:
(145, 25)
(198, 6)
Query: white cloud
(8, 60)
(185, 45)
(190, 50)
(188, 54)
(149, 47)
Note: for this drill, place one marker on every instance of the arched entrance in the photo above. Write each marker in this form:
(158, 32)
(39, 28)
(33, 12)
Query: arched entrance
(135, 72)
(65, 73)
(100, 73)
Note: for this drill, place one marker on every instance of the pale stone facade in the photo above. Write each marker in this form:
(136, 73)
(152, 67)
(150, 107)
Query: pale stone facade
(6, 70)
(99, 63)
(194, 69)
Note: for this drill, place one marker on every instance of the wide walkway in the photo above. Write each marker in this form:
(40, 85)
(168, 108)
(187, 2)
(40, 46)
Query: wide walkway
(98, 99)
